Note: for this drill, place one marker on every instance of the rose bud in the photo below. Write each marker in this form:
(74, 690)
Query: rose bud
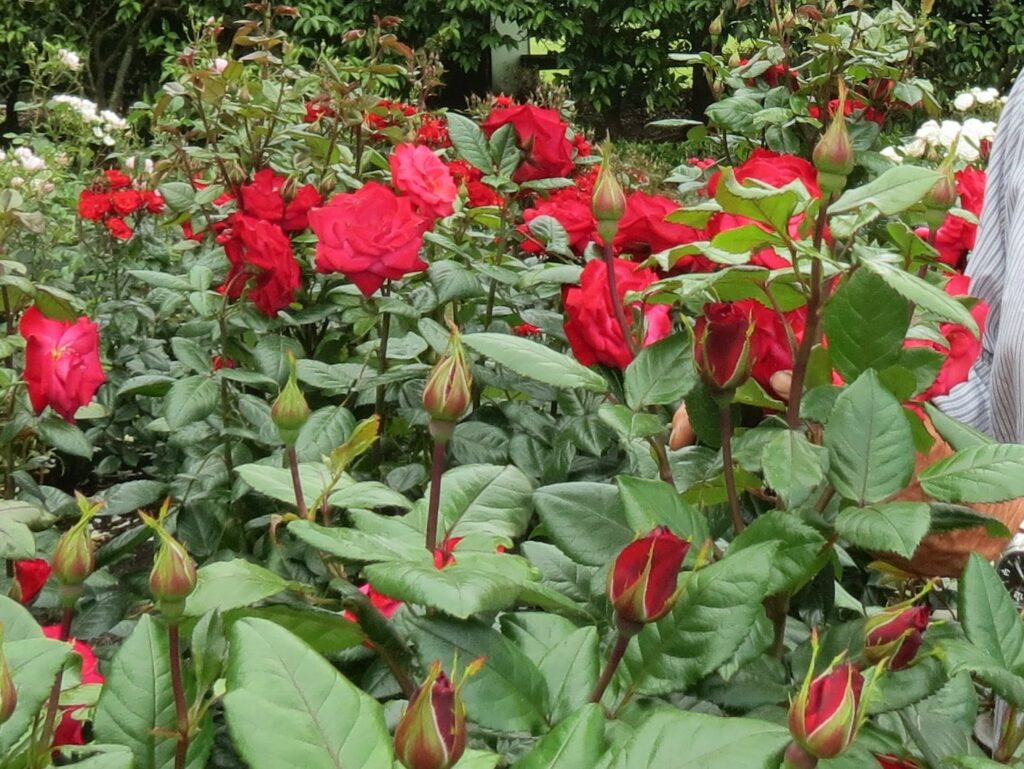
(722, 346)
(943, 195)
(173, 577)
(432, 731)
(826, 714)
(290, 411)
(833, 154)
(8, 694)
(642, 582)
(448, 393)
(896, 635)
(75, 557)
(609, 201)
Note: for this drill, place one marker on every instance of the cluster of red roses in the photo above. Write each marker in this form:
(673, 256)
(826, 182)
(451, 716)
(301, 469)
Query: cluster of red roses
(30, 577)
(113, 197)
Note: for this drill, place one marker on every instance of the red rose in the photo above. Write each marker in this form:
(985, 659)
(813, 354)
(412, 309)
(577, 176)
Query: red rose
(825, 715)
(582, 146)
(387, 114)
(433, 132)
(153, 201)
(117, 179)
(896, 635)
(262, 196)
(526, 329)
(479, 194)
(962, 346)
(769, 344)
(296, 213)
(126, 202)
(30, 576)
(574, 214)
(316, 110)
(643, 231)
(591, 326)
(118, 228)
(370, 236)
(262, 262)
(70, 730)
(417, 172)
(547, 152)
(93, 205)
(721, 349)
(642, 581)
(62, 362)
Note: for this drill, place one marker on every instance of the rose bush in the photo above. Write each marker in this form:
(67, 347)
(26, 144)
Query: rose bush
(368, 411)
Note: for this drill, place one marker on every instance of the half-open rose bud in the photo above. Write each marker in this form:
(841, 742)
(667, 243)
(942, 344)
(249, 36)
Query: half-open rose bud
(721, 349)
(826, 714)
(896, 635)
(432, 731)
(642, 582)
(448, 393)
(75, 557)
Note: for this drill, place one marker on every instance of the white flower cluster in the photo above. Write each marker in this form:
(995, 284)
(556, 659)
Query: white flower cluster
(935, 140)
(24, 160)
(28, 159)
(102, 123)
(69, 59)
(977, 97)
(147, 165)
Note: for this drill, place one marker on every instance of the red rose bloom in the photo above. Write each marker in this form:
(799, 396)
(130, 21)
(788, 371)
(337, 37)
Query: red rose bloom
(433, 132)
(370, 236)
(417, 172)
(591, 326)
(117, 179)
(721, 350)
(93, 205)
(118, 228)
(479, 194)
(582, 146)
(262, 196)
(153, 201)
(62, 362)
(525, 329)
(296, 213)
(316, 110)
(547, 152)
(574, 214)
(643, 231)
(126, 202)
(70, 730)
(31, 575)
(262, 262)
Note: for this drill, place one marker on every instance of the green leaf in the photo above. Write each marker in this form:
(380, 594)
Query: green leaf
(687, 740)
(571, 668)
(469, 141)
(127, 497)
(535, 361)
(230, 584)
(629, 424)
(485, 499)
(661, 373)
(649, 503)
(897, 527)
(953, 517)
(325, 631)
(774, 207)
(793, 466)
(895, 190)
(188, 352)
(576, 743)
(870, 445)
(924, 294)
(271, 356)
(64, 437)
(287, 706)
(452, 281)
(136, 705)
(324, 431)
(585, 520)
(190, 400)
(508, 694)
(34, 664)
(956, 433)
(866, 322)
(988, 615)
(355, 545)
(988, 473)
(16, 539)
(17, 621)
(799, 549)
(276, 482)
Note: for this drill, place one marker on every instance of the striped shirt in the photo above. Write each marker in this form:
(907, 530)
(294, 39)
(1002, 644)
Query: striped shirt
(992, 398)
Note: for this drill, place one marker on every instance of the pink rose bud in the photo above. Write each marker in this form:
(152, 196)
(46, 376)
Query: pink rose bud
(432, 731)
(8, 694)
(826, 714)
(448, 393)
(609, 201)
(75, 557)
(642, 582)
(173, 577)
(896, 635)
(290, 411)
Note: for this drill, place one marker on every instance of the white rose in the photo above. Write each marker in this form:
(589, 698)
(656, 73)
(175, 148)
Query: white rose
(219, 65)
(988, 96)
(948, 132)
(963, 102)
(929, 132)
(891, 154)
(915, 148)
(69, 59)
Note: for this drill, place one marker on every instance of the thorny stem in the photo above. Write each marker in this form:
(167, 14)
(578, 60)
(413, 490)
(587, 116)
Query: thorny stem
(382, 366)
(777, 607)
(300, 498)
(180, 701)
(434, 508)
(729, 471)
(618, 652)
(54, 702)
(616, 300)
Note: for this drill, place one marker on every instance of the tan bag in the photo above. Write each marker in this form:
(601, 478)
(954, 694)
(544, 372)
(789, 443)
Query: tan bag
(945, 555)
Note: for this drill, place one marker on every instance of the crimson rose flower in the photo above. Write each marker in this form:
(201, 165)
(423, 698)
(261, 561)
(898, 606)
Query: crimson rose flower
(118, 228)
(62, 362)
(370, 236)
(547, 152)
(573, 213)
(417, 172)
(117, 179)
(643, 231)
(591, 326)
(93, 205)
(126, 202)
(262, 262)
(721, 349)
(262, 198)
(30, 576)
(70, 730)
